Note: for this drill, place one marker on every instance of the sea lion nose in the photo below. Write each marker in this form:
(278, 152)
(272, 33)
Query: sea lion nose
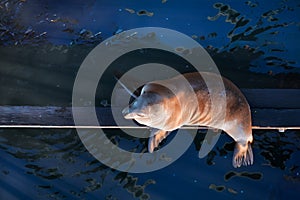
(128, 113)
(132, 113)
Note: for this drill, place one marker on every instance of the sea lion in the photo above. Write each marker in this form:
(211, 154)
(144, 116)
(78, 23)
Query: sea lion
(167, 105)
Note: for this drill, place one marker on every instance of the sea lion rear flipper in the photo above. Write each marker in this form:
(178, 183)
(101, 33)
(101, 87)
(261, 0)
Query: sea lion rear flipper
(242, 155)
(156, 136)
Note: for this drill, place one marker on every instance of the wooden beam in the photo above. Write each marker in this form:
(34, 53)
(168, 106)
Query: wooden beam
(61, 117)
(273, 98)
(271, 109)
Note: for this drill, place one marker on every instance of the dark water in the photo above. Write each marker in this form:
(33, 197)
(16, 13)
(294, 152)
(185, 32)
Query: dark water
(54, 164)
(43, 43)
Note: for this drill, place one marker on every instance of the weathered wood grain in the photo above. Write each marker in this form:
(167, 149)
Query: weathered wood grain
(273, 98)
(271, 109)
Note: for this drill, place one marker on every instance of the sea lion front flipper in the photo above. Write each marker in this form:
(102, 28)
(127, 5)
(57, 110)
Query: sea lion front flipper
(242, 155)
(156, 136)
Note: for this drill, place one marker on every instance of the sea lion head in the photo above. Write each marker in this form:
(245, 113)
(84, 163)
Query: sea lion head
(150, 107)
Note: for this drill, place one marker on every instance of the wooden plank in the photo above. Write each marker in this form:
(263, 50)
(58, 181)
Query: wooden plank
(285, 114)
(43, 117)
(258, 98)
(280, 129)
(273, 98)
(275, 117)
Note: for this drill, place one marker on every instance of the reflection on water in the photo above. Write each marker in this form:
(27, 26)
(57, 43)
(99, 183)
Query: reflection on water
(253, 44)
(252, 36)
(277, 148)
(254, 176)
(55, 164)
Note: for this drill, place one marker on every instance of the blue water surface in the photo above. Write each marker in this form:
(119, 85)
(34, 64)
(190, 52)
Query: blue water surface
(254, 39)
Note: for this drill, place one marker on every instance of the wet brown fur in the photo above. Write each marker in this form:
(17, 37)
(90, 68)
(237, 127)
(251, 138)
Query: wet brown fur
(237, 117)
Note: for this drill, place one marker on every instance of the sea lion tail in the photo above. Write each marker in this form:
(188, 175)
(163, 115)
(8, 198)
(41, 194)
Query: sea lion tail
(242, 155)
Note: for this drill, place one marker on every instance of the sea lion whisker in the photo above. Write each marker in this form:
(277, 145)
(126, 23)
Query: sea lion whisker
(126, 88)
